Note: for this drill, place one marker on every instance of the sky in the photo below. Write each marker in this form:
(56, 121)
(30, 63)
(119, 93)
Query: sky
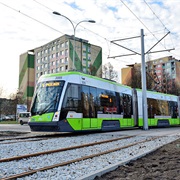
(25, 25)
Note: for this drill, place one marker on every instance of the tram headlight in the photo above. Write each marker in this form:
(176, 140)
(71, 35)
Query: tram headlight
(56, 116)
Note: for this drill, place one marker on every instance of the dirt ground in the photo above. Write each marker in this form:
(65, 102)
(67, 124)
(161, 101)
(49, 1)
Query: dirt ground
(163, 164)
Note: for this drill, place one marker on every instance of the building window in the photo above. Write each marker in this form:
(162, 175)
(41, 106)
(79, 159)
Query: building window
(53, 48)
(89, 49)
(57, 62)
(61, 61)
(53, 63)
(53, 55)
(84, 54)
(84, 61)
(66, 52)
(57, 69)
(45, 58)
(62, 45)
(61, 68)
(61, 53)
(66, 60)
(38, 61)
(38, 54)
(38, 68)
(57, 47)
(66, 44)
(57, 54)
(84, 47)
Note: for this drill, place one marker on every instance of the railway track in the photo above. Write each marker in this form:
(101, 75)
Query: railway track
(62, 149)
(11, 140)
(65, 163)
(72, 154)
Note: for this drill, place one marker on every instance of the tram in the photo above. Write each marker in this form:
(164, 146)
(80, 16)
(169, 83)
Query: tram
(77, 102)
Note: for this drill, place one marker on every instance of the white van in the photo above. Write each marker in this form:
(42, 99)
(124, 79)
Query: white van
(23, 117)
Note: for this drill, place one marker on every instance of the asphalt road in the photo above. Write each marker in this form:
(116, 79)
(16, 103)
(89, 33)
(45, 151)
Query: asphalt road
(15, 127)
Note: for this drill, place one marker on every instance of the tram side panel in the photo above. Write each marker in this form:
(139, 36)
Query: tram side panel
(179, 108)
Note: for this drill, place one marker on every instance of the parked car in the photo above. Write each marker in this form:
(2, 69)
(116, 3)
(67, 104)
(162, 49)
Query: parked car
(12, 117)
(23, 117)
(4, 118)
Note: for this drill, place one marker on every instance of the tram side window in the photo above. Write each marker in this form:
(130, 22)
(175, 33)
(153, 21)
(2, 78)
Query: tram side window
(106, 101)
(158, 107)
(153, 108)
(173, 108)
(85, 100)
(126, 105)
(71, 100)
(89, 101)
(164, 108)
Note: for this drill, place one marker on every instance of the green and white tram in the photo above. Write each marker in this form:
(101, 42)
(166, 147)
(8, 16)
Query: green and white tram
(73, 101)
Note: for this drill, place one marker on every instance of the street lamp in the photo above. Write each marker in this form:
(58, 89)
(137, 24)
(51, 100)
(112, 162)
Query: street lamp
(74, 28)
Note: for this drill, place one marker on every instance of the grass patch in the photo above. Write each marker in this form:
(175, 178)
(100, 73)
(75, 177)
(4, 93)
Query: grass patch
(9, 122)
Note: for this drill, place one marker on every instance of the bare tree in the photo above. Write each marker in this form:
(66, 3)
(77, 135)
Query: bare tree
(135, 81)
(1, 92)
(92, 70)
(108, 72)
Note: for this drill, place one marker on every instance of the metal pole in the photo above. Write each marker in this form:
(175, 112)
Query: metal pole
(74, 49)
(143, 75)
(74, 28)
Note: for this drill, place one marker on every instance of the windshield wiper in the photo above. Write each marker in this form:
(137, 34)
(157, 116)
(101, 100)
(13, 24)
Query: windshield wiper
(49, 105)
(46, 108)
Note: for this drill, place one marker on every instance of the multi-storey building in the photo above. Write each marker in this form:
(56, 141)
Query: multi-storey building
(26, 76)
(57, 56)
(164, 72)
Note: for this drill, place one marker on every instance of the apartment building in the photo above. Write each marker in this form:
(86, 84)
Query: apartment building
(163, 72)
(26, 76)
(57, 56)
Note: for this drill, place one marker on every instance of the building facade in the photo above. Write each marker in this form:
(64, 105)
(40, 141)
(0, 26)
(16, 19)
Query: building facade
(164, 74)
(57, 56)
(26, 77)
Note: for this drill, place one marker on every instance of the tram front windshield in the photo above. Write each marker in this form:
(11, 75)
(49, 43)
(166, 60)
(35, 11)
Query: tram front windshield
(47, 97)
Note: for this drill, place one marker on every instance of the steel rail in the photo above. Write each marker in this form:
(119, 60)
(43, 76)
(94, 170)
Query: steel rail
(61, 149)
(73, 161)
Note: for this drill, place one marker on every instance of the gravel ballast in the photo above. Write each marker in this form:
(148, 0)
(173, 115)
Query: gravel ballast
(78, 169)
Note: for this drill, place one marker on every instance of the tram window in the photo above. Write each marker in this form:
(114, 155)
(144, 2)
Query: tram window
(173, 108)
(161, 108)
(72, 97)
(153, 108)
(126, 105)
(106, 101)
(93, 102)
(85, 100)
(89, 101)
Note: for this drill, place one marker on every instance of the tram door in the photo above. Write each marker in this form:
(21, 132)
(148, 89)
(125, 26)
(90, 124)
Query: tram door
(88, 99)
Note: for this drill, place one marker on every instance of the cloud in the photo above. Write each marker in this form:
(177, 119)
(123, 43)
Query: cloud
(29, 24)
